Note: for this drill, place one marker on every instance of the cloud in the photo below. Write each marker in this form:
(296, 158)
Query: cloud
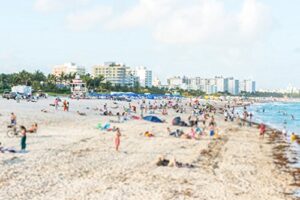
(179, 22)
(254, 19)
(174, 21)
(192, 24)
(88, 19)
(145, 12)
(47, 5)
(56, 5)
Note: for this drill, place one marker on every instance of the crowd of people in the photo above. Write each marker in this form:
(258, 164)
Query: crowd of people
(200, 122)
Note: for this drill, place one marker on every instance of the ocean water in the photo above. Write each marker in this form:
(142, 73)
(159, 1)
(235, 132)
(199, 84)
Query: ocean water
(278, 115)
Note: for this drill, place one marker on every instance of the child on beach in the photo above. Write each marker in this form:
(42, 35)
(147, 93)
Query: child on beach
(117, 139)
(23, 138)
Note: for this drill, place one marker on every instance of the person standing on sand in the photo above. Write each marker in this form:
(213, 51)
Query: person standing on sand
(117, 139)
(65, 105)
(23, 138)
(262, 130)
(245, 115)
(56, 103)
(211, 129)
(251, 116)
(68, 106)
(13, 119)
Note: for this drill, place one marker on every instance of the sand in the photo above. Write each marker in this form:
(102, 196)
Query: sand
(69, 158)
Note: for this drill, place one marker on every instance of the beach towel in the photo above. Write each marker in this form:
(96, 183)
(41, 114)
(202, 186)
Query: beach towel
(136, 117)
(106, 126)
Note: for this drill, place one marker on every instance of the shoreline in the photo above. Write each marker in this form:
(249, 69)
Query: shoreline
(281, 152)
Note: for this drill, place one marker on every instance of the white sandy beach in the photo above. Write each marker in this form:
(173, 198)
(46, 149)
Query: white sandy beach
(70, 159)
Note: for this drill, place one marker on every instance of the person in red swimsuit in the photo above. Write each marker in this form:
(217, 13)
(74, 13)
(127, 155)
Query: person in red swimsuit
(262, 130)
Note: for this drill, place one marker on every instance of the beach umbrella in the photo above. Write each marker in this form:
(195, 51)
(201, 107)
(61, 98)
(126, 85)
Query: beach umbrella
(176, 121)
(151, 118)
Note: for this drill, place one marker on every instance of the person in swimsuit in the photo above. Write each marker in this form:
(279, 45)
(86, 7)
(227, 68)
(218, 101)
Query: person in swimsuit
(211, 129)
(56, 103)
(117, 139)
(13, 119)
(262, 130)
(33, 128)
(65, 105)
(23, 138)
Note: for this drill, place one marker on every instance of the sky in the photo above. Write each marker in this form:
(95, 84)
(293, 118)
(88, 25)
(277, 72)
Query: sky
(257, 39)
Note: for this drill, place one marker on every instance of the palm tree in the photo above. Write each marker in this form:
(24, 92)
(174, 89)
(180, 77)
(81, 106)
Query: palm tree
(52, 79)
(87, 79)
(62, 78)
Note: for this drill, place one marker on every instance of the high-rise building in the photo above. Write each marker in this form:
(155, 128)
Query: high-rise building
(175, 82)
(68, 68)
(144, 75)
(233, 86)
(248, 86)
(210, 86)
(222, 84)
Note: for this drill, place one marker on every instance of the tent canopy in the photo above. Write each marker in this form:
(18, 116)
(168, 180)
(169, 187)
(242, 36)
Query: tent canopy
(176, 121)
(153, 119)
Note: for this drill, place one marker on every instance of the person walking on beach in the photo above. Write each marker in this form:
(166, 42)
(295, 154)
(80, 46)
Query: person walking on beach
(68, 106)
(117, 139)
(245, 115)
(211, 129)
(56, 103)
(65, 105)
(13, 119)
(23, 138)
(262, 130)
(251, 116)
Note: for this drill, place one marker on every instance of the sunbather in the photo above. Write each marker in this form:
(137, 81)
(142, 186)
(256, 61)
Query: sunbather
(33, 128)
(81, 113)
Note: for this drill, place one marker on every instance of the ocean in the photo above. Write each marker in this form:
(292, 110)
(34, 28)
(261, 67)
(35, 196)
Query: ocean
(278, 115)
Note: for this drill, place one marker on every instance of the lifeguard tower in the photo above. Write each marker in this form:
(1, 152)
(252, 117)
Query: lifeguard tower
(78, 88)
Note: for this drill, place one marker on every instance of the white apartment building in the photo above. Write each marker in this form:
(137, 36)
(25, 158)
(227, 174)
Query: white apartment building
(248, 86)
(144, 76)
(222, 84)
(210, 86)
(233, 86)
(68, 68)
(175, 82)
(196, 84)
